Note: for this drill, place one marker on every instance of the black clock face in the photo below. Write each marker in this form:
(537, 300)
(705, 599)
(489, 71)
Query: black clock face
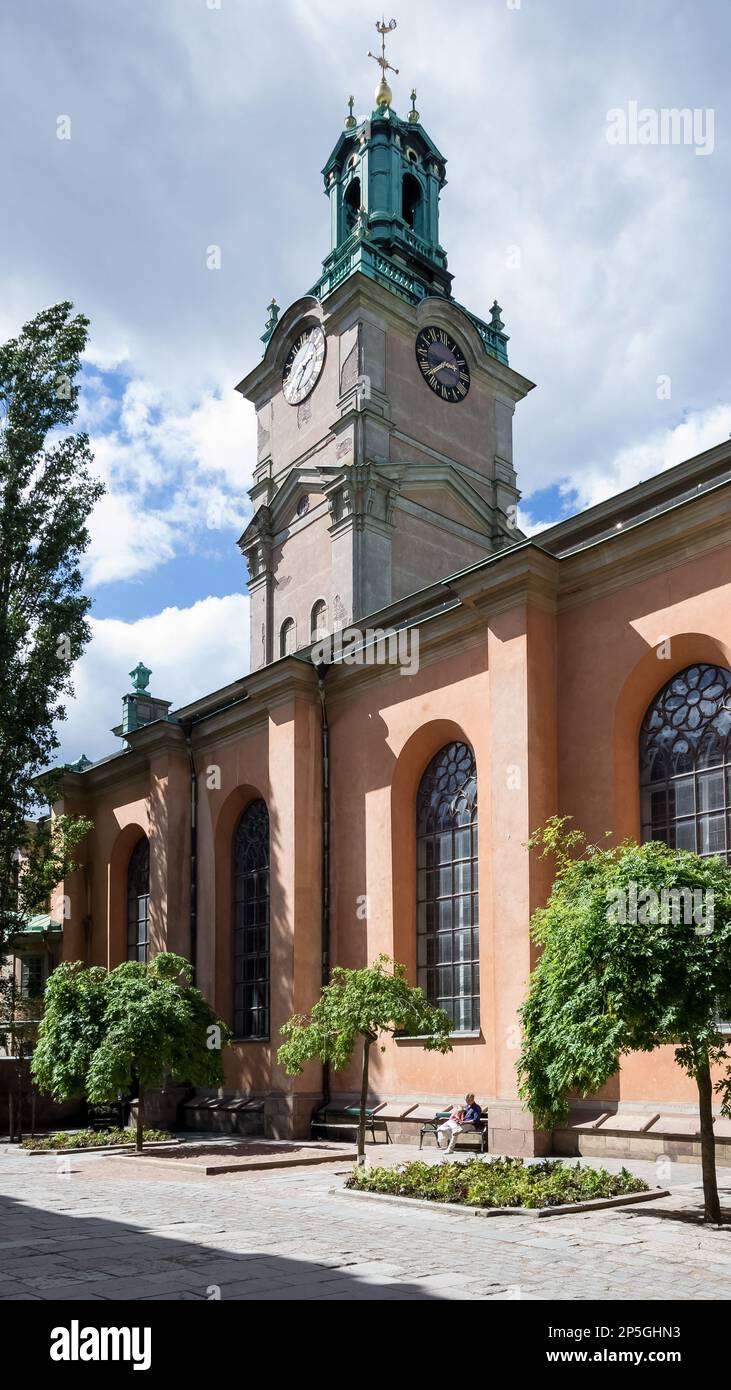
(442, 364)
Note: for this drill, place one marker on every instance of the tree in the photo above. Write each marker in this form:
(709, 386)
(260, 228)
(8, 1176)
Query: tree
(362, 1004)
(47, 857)
(635, 954)
(105, 1032)
(46, 496)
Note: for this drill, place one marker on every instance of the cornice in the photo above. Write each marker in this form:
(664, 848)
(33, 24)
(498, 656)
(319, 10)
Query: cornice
(521, 574)
(661, 542)
(662, 491)
(449, 525)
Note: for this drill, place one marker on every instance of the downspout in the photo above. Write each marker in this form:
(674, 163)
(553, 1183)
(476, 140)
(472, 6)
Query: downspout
(193, 852)
(325, 913)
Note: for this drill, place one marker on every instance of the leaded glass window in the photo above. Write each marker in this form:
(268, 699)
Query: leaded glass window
(251, 923)
(446, 898)
(685, 762)
(31, 977)
(138, 902)
(318, 620)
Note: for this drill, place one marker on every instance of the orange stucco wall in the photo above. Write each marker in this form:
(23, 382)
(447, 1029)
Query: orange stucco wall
(614, 655)
(549, 695)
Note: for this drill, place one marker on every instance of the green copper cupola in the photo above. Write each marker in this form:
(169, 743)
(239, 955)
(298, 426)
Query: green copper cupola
(383, 180)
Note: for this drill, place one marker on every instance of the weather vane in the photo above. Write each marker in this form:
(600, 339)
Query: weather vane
(383, 92)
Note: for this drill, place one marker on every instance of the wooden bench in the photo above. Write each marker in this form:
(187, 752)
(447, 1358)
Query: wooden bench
(346, 1117)
(474, 1136)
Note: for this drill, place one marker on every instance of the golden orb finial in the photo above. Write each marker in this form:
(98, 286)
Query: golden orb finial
(384, 95)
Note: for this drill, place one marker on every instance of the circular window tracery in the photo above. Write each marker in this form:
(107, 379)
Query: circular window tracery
(685, 762)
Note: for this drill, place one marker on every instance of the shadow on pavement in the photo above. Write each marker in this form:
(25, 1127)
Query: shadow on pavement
(87, 1258)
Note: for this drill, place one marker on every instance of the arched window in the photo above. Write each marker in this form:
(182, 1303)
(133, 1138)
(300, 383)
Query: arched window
(318, 620)
(287, 637)
(351, 205)
(685, 762)
(138, 902)
(251, 922)
(446, 831)
(411, 202)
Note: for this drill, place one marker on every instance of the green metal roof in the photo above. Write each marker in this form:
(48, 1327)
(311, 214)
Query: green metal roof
(39, 925)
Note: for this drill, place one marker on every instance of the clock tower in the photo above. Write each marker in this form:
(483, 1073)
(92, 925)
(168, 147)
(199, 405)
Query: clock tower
(384, 407)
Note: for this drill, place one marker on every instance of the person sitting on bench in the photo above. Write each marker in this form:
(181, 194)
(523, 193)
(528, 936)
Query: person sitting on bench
(462, 1115)
(472, 1112)
(452, 1126)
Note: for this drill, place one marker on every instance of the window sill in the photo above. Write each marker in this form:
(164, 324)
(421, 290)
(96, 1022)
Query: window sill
(242, 1042)
(469, 1036)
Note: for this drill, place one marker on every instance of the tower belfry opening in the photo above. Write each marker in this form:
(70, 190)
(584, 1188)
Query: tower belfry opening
(411, 202)
(351, 205)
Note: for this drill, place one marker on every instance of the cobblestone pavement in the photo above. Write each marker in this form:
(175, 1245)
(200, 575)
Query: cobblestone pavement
(87, 1228)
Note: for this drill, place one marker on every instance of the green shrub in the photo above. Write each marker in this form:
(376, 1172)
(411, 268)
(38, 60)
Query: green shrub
(91, 1138)
(500, 1182)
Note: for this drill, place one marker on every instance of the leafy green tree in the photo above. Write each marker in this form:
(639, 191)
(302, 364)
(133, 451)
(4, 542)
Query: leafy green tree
(635, 954)
(47, 858)
(363, 1004)
(105, 1032)
(46, 496)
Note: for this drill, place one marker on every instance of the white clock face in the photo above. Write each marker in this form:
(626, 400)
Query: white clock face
(304, 364)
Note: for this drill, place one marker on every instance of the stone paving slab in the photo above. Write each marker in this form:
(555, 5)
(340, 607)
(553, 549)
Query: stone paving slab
(106, 1231)
(208, 1160)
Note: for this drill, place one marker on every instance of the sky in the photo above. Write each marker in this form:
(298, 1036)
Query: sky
(192, 124)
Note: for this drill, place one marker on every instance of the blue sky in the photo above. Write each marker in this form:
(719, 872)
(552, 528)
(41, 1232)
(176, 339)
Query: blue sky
(197, 123)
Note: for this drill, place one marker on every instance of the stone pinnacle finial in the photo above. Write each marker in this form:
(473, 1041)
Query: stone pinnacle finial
(414, 116)
(384, 95)
(350, 121)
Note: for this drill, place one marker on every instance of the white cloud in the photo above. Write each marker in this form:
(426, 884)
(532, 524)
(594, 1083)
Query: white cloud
(125, 541)
(172, 476)
(191, 651)
(662, 449)
(528, 524)
(194, 126)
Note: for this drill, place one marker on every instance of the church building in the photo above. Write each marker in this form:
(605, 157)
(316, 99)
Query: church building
(427, 687)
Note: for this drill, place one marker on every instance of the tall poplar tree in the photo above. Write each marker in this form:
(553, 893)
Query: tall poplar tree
(46, 495)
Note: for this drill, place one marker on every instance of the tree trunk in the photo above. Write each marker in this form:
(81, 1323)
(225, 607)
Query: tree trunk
(363, 1102)
(140, 1119)
(19, 1089)
(708, 1145)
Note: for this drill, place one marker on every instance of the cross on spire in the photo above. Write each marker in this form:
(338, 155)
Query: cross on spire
(383, 29)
